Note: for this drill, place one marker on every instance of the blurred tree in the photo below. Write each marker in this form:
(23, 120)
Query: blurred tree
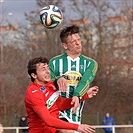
(14, 82)
(107, 37)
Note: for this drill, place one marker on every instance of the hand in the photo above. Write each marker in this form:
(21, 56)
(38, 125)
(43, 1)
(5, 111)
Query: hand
(92, 91)
(75, 101)
(62, 84)
(86, 128)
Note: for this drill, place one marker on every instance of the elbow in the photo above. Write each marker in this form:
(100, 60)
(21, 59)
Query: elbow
(50, 122)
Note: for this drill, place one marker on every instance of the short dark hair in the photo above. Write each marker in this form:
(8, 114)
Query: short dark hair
(32, 65)
(65, 32)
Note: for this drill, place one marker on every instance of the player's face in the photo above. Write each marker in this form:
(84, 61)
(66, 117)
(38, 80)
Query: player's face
(73, 45)
(43, 73)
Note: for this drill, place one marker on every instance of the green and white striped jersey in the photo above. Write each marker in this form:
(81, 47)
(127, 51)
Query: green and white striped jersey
(79, 73)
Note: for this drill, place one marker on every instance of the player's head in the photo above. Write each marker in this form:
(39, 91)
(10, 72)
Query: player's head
(107, 114)
(23, 118)
(71, 41)
(68, 31)
(38, 69)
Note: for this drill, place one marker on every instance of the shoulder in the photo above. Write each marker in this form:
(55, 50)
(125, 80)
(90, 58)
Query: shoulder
(56, 57)
(32, 89)
(111, 118)
(88, 58)
(31, 86)
(51, 86)
(33, 93)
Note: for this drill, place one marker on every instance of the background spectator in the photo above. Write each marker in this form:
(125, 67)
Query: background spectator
(23, 123)
(108, 121)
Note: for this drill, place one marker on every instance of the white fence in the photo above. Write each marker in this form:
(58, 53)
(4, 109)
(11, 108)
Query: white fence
(114, 127)
(17, 129)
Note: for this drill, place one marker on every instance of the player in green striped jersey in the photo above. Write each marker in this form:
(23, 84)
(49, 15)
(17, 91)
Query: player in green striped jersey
(77, 69)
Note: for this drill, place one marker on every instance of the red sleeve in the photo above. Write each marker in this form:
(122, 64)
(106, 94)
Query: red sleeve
(53, 121)
(36, 100)
(64, 103)
(84, 97)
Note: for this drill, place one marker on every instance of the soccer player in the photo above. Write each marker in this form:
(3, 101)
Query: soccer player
(43, 102)
(77, 69)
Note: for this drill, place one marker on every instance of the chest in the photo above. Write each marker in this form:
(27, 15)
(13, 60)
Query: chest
(50, 97)
(61, 66)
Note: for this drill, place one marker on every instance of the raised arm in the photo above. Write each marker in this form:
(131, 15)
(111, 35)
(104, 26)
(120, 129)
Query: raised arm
(66, 103)
(86, 79)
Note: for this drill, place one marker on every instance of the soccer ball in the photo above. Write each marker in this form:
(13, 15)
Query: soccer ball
(51, 16)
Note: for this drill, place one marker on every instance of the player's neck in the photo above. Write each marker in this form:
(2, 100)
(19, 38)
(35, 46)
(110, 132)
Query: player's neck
(73, 56)
(40, 82)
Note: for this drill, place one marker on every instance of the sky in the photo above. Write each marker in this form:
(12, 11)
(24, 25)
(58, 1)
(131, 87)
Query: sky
(13, 10)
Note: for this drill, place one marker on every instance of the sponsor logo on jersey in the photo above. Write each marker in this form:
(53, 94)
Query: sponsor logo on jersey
(52, 99)
(46, 94)
(72, 77)
(81, 67)
(42, 89)
(34, 91)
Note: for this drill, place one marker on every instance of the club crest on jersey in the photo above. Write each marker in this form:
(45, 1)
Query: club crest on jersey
(42, 89)
(73, 66)
(81, 67)
(72, 77)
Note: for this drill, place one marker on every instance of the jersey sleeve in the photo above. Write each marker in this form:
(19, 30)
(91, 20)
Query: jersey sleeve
(35, 100)
(86, 79)
(52, 74)
(65, 103)
(84, 97)
(53, 121)
(51, 67)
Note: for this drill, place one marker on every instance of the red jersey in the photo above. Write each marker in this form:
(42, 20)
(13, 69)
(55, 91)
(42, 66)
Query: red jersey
(42, 105)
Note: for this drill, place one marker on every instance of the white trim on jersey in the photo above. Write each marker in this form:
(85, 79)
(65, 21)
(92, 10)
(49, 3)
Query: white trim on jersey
(84, 65)
(64, 115)
(69, 63)
(54, 64)
(61, 67)
(67, 92)
(89, 64)
(77, 64)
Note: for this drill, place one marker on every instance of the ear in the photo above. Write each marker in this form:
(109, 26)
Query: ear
(34, 75)
(64, 45)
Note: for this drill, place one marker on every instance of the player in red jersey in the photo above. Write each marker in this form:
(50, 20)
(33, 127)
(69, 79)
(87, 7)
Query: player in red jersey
(43, 102)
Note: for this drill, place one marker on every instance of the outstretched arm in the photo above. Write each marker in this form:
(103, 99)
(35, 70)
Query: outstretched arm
(86, 79)
(92, 91)
(53, 121)
(57, 123)
(66, 103)
(89, 94)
